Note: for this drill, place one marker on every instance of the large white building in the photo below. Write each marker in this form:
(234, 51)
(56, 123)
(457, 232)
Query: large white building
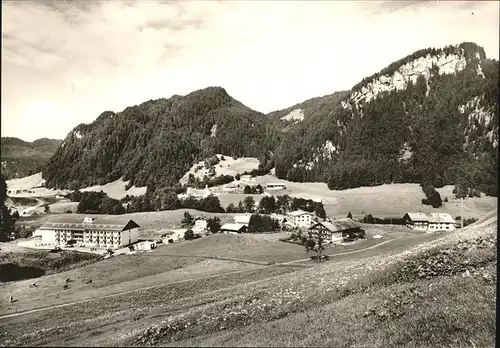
(300, 218)
(89, 232)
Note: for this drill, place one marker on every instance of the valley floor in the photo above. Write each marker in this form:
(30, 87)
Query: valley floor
(189, 301)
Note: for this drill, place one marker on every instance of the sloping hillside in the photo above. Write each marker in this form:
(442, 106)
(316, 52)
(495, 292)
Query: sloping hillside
(308, 111)
(439, 293)
(20, 158)
(155, 143)
(431, 116)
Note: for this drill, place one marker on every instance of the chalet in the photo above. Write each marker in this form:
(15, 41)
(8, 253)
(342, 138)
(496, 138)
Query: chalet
(242, 219)
(233, 228)
(339, 230)
(430, 223)
(103, 232)
(417, 221)
(441, 222)
(275, 186)
(300, 218)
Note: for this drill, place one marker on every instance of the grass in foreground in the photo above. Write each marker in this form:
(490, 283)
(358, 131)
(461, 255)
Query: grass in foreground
(131, 310)
(445, 297)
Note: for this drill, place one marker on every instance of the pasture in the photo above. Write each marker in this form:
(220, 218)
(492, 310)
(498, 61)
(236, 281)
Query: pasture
(382, 201)
(228, 166)
(272, 304)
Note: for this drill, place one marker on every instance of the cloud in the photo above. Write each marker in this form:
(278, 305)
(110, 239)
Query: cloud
(89, 56)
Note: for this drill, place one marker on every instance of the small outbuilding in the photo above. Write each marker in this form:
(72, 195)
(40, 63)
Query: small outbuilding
(233, 228)
(145, 246)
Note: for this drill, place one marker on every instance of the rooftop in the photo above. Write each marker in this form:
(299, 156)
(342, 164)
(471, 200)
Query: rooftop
(232, 227)
(418, 216)
(441, 217)
(77, 223)
(337, 225)
(299, 212)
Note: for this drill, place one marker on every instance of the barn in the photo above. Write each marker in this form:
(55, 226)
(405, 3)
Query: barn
(233, 228)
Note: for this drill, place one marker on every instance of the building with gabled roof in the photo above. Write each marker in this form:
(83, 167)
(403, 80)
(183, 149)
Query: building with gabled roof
(417, 221)
(431, 222)
(338, 230)
(300, 218)
(441, 222)
(104, 232)
(233, 228)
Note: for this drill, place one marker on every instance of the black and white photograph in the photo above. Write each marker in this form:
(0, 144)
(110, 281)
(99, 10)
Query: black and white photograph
(259, 173)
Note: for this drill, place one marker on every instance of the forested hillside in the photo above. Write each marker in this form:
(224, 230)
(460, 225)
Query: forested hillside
(308, 111)
(20, 158)
(431, 117)
(155, 143)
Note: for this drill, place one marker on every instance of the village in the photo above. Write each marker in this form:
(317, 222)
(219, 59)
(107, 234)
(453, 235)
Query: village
(118, 235)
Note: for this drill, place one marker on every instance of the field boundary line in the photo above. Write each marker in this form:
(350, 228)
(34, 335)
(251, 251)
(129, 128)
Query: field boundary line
(341, 254)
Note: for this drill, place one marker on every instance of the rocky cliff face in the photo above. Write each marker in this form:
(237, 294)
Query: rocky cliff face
(433, 106)
(447, 64)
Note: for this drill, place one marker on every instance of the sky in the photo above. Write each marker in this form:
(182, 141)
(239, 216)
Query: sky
(65, 62)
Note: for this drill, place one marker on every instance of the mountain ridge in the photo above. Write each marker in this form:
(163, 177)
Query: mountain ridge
(381, 120)
(154, 143)
(430, 117)
(20, 158)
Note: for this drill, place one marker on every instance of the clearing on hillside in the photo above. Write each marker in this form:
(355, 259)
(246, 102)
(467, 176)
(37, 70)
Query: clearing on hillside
(226, 166)
(116, 189)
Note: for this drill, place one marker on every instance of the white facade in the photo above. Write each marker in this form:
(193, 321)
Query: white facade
(203, 193)
(87, 233)
(275, 186)
(200, 226)
(147, 245)
(430, 223)
(48, 237)
(300, 218)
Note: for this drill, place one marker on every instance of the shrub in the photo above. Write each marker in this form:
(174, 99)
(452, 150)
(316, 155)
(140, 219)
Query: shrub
(189, 235)
(262, 223)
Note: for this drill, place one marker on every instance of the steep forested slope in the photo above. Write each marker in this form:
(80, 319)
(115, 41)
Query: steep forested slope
(430, 117)
(20, 158)
(307, 112)
(155, 143)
